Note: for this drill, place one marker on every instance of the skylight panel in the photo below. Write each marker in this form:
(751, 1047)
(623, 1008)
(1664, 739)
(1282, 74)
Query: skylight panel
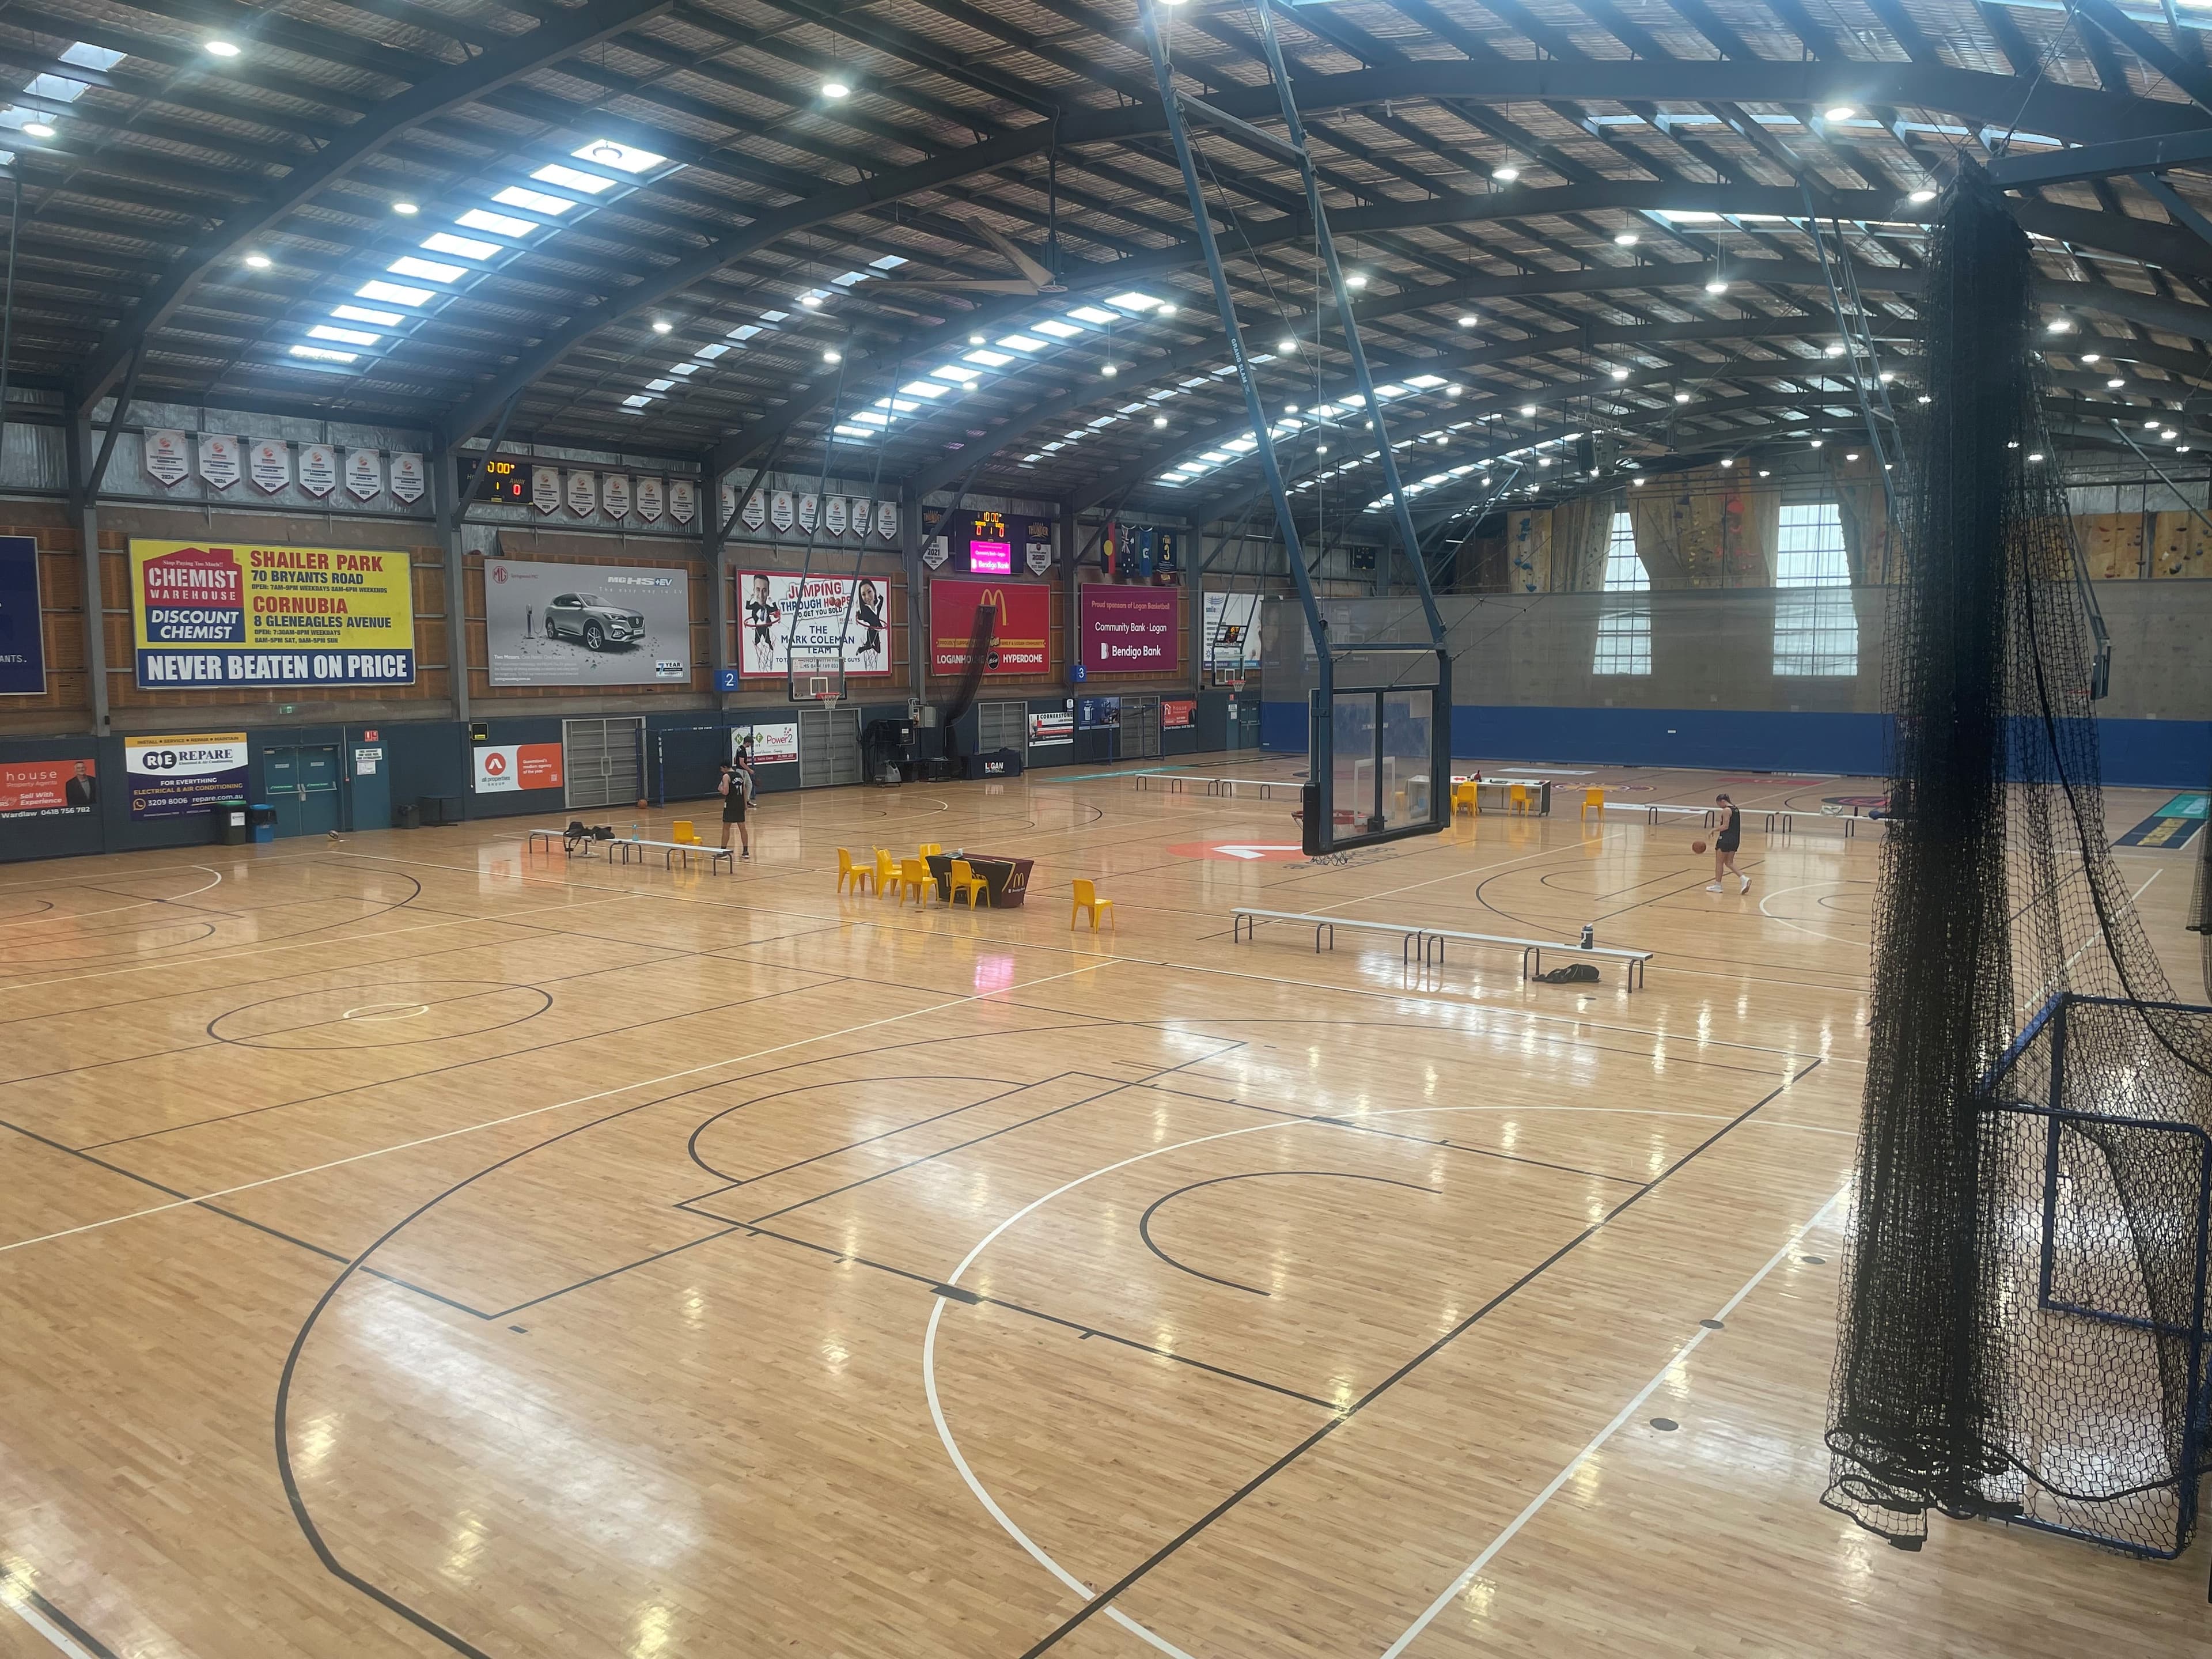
(957, 372)
(637, 400)
(923, 389)
(1386, 391)
(1216, 456)
(1022, 342)
(1094, 315)
(873, 418)
(466, 247)
(342, 336)
(393, 292)
(888, 262)
(850, 277)
(499, 224)
(1425, 381)
(1058, 330)
(710, 352)
(363, 315)
(583, 184)
(623, 158)
(536, 201)
(745, 331)
(430, 270)
(775, 316)
(1103, 420)
(659, 385)
(685, 368)
(1133, 300)
(1196, 380)
(320, 355)
(85, 55)
(989, 359)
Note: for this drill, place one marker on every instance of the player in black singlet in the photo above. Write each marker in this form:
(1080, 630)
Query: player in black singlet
(1731, 837)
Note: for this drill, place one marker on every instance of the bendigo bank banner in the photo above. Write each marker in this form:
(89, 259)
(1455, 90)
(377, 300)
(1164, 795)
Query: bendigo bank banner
(1021, 636)
(204, 615)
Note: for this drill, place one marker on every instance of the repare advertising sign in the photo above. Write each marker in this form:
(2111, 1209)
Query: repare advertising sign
(206, 615)
(587, 624)
(1129, 630)
(49, 788)
(23, 639)
(815, 618)
(1021, 633)
(501, 767)
(172, 776)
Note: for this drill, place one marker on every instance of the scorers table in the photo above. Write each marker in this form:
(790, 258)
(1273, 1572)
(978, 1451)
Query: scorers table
(1006, 880)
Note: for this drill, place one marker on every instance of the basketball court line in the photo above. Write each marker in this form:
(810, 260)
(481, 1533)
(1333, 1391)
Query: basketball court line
(538, 1111)
(1688, 1346)
(1102, 1600)
(75, 916)
(63, 1633)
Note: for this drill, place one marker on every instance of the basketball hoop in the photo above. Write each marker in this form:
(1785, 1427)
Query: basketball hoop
(819, 680)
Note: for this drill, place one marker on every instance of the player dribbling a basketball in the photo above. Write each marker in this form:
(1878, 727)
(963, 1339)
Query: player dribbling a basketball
(1731, 837)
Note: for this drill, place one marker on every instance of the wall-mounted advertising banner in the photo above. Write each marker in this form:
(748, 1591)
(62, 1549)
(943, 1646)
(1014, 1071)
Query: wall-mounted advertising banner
(587, 624)
(1177, 714)
(1128, 630)
(1232, 630)
(501, 767)
(172, 776)
(772, 746)
(1096, 713)
(207, 615)
(22, 637)
(1050, 730)
(49, 788)
(816, 616)
(1021, 634)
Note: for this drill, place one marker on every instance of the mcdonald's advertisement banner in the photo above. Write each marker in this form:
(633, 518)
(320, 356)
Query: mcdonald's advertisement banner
(1021, 636)
(204, 615)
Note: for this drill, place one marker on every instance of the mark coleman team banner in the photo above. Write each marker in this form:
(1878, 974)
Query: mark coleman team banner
(1020, 636)
(1129, 630)
(204, 614)
(172, 777)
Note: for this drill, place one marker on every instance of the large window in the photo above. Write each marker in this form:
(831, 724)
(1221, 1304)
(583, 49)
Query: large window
(1816, 628)
(1624, 629)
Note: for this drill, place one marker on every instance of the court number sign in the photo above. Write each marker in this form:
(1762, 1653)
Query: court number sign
(205, 614)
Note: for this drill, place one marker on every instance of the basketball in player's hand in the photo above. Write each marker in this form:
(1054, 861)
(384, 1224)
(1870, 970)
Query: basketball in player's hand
(1697, 846)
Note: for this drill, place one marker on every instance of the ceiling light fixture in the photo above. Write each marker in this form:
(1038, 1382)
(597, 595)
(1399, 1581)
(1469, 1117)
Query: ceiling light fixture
(1840, 112)
(405, 209)
(1626, 239)
(1358, 279)
(831, 355)
(1108, 371)
(1454, 390)
(1728, 461)
(1850, 455)
(835, 90)
(1817, 442)
(1159, 420)
(1681, 397)
(2059, 326)
(2092, 357)
(1925, 398)
(1505, 172)
(1528, 409)
(38, 129)
(2114, 384)
(662, 326)
(1286, 345)
(221, 48)
(1922, 196)
(1620, 373)
(975, 339)
(1469, 320)
(1716, 284)
(2034, 454)
(257, 261)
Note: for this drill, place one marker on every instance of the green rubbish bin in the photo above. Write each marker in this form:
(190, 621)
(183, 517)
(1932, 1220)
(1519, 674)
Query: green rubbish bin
(230, 829)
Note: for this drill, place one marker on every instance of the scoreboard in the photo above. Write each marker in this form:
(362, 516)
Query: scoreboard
(502, 480)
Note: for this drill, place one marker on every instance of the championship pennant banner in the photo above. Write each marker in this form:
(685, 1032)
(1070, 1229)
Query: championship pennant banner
(266, 615)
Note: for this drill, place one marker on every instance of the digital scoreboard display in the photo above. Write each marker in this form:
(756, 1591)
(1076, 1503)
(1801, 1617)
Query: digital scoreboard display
(990, 550)
(500, 480)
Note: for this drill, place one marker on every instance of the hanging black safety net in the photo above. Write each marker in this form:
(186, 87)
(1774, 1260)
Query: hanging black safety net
(2022, 1326)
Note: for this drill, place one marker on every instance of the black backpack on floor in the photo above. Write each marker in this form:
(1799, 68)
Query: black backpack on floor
(1575, 973)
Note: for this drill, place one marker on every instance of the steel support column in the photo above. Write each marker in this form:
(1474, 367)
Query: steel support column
(447, 510)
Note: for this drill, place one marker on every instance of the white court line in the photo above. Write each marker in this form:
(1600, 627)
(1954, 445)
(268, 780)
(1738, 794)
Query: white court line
(1856, 944)
(303, 944)
(113, 909)
(1632, 1111)
(558, 1105)
(1006, 1522)
(20, 1604)
(1551, 1489)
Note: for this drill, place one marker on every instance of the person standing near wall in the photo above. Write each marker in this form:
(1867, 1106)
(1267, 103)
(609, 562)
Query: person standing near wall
(736, 790)
(1731, 837)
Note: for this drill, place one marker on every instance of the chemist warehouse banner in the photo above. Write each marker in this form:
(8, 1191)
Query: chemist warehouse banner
(208, 614)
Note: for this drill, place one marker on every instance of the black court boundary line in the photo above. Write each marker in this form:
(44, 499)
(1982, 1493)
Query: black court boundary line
(494, 988)
(305, 933)
(1145, 1221)
(77, 1632)
(1103, 1598)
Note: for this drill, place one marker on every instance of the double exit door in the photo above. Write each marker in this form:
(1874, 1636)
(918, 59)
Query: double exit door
(302, 781)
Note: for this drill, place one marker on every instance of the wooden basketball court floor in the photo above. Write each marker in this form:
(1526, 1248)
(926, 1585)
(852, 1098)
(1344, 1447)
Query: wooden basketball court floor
(412, 1247)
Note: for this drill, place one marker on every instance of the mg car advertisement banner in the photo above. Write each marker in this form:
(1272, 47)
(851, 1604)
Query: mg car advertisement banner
(204, 614)
(587, 624)
(172, 776)
(816, 616)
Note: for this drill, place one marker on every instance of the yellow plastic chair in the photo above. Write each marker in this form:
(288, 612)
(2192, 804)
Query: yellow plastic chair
(915, 879)
(1086, 898)
(1593, 801)
(860, 877)
(683, 832)
(887, 872)
(965, 880)
(1465, 798)
(1517, 798)
(929, 850)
